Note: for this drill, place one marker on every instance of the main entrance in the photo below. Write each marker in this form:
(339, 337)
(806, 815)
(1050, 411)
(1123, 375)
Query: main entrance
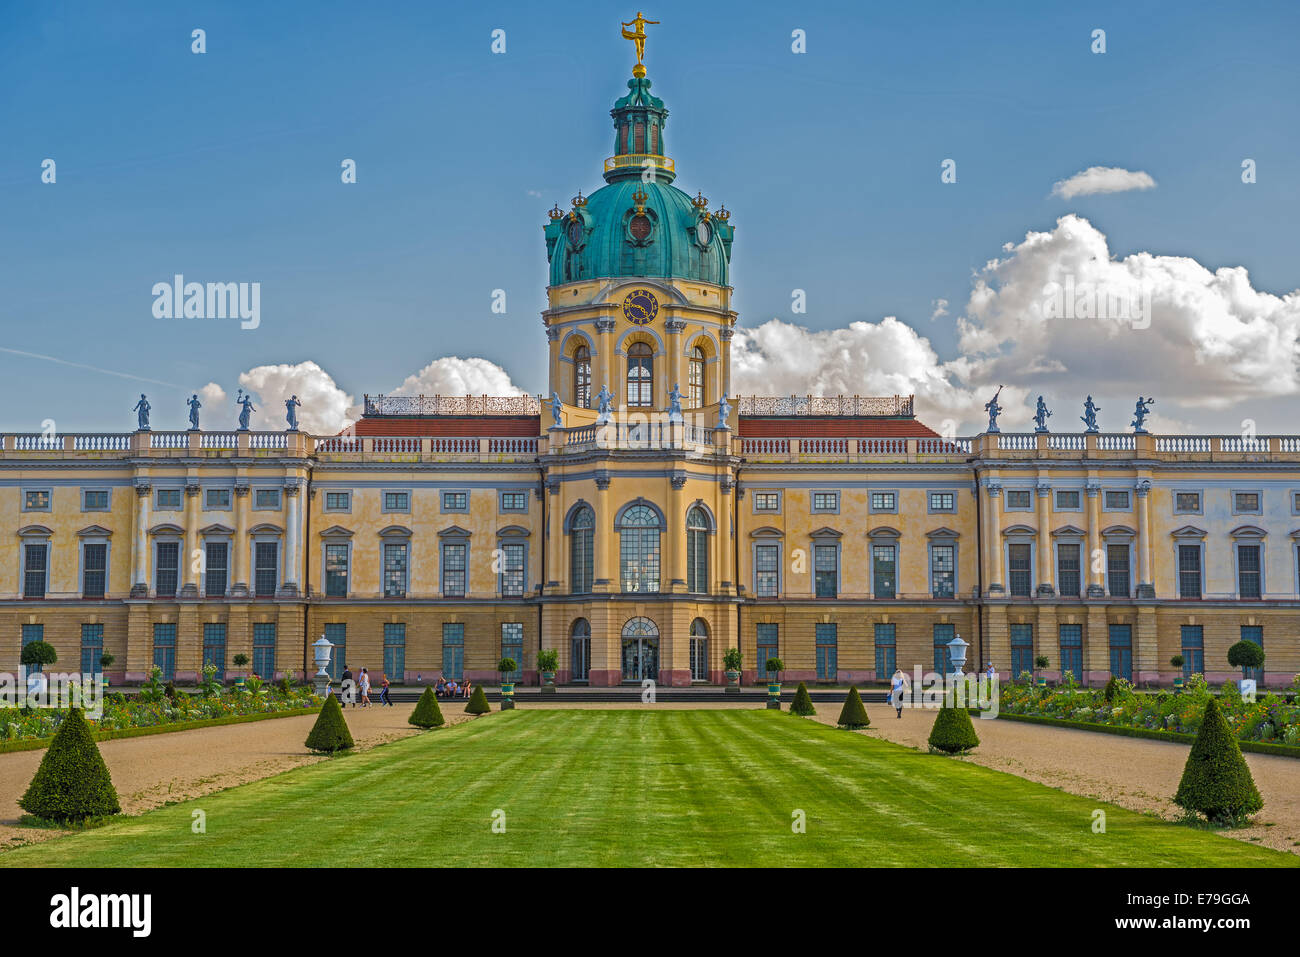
(640, 650)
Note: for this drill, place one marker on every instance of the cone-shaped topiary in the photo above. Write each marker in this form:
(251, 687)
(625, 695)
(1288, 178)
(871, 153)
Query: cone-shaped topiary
(854, 713)
(330, 732)
(72, 782)
(952, 732)
(802, 704)
(427, 714)
(478, 702)
(1216, 780)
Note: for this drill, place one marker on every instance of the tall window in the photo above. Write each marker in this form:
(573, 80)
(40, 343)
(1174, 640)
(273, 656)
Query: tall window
(697, 551)
(164, 649)
(266, 568)
(1067, 570)
(1254, 633)
(886, 650)
(826, 570)
(1248, 577)
(512, 570)
(216, 566)
(1193, 650)
(34, 565)
(94, 570)
(582, 378)
(639, 549)
(943, 564)
(264, 649)
(92, 649)
(883, 571)
(582, 536)
(768, 647)
(336, 571)
(942, 653)
(1021, 578)
(453, 570)
(336, 632)
(827, 643)
(580, 650)
(1189, 571)
(640, 377)
(453, 650)
(512, 646)
(167, 572)
(214, 647)
(395, 570)
(699, 650)
(695, 379)
(395, 650)
(1121, 651)
(1117, 570)
(1022, 650)
(1071, 637)
(767, 570)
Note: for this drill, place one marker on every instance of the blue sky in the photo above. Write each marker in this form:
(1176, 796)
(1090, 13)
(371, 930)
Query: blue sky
(225, 167)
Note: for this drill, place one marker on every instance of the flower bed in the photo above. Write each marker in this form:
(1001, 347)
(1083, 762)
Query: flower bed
(1269, 719)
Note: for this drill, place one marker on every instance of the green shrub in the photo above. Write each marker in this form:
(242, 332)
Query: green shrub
(854, 714)
(73, 782)
(1216, 780)
(478, 702)
(38, 654)
(1246, 655)
(775, 666)
(731, 659)
(953, 732)
(330, 732)
(507, 666)
(548, 659)
(802, 703)
(1112, 689)
(427, 714)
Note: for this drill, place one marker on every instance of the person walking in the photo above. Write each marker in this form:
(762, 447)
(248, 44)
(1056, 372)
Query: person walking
(383, 691)
(365, 688)
(347, 688)
(898, 686)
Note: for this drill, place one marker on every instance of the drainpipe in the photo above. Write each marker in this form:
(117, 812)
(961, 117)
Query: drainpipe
(979, 570)
(545, 544)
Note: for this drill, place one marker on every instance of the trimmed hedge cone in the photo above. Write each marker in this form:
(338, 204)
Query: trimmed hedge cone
(73, 782)
(802, 703)
(427, 714)
(1216, 779)
(854, 714)
(478, 702)
(330, 732)
(952, 732)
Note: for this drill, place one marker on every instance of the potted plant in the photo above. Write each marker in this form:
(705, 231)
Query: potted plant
(774, 667)
(548, 660)
(36, 655)
(731, 664)
(105, 660)
(1041, 664)
(1247, 656)
(240, 661)
(505, 666)
(1177, 662)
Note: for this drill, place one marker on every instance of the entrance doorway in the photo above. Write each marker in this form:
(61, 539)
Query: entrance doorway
(640, 650)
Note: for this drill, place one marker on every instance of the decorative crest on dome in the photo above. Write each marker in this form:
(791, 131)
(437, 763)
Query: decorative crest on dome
(639, 198)
(579, 201)
(700, 202)
(554, 212)
(723, 213)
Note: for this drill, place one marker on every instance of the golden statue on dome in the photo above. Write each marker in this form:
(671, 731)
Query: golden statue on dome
(637, 36)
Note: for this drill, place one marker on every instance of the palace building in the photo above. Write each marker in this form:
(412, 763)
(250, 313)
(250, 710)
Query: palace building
(640, 520)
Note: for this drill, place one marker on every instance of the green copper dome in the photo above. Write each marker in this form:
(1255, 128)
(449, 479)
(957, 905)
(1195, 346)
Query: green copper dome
(639, 224)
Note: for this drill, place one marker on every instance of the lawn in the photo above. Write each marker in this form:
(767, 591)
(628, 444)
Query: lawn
(646, 788)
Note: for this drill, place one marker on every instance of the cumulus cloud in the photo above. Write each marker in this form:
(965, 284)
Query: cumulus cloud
(940, 308)
(1102, 179)
(325, 407)
(452, 375)
(212, 396)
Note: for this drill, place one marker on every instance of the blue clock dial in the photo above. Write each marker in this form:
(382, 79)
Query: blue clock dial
(640, 306)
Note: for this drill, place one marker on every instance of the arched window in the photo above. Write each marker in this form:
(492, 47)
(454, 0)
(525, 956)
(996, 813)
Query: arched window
(582, 534)
(640, 375)
(697, 550)
(640, 138)
(639, 549)
(580, 650)
(582, 378)
(699, 650)
(640, 649)
(695, 378)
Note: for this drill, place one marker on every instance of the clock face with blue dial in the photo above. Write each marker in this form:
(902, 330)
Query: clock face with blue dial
(640, 306)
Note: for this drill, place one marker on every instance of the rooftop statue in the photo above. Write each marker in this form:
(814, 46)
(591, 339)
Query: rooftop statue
(194, 404)
(994, 410)
(1089, 417)
(245, 403)
(291, 406)
(142, 413)
(637, 37)
(675, 404)
(1140, 414)
(724, 412)
(555, 409)
(604, 405)
(1041, 415)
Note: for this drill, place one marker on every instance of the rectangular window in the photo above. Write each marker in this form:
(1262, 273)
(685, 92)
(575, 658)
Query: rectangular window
(1116, 501)
(94, 500)
(886, 651)
(266, 498)
(33, 633)
(1187, 502)
(167, 499)
(1245, 501)
(164, 649)
(34, 565)
(1193, 650)
(395, 571)
(1248, 571)
(1069, 578)
(1117, 570)
(1022, 650)
(1071, 637)
(1189, 571)
(216, 573)
(167, 571)
(455, 501)
(943, 570)
(1020, 576)
(92, 649)
(827, 637)
(397, 502)
(336, 633)
(826, 570)
(767, 501)
(942, 501)
(1019, 499)
(512, 570)
(826, 501)
(336, 571)
(1067, 500)
(215, 498)
(453, 650)
(338, 501)
(884, 502)
(766, 570)
(395, 651)
(94, 570)
(638, 554)
(942, 653)
(1121, 651)
(884, 572)
(453, 571)
(1254, 633)
(264, 650)
(768, 647)
(266, 568)
(512, 646)
(514, 501)
(36, 500)
(214, 647)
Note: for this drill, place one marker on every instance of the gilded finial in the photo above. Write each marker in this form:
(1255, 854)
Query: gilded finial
(579, 201)
(637, 36)
(554, 212)
(723, 213)
(639, 198)
(700, 202)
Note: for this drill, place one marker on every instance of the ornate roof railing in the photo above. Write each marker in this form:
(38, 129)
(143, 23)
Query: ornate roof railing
(880, 405)
(418, 405)
(641, 160)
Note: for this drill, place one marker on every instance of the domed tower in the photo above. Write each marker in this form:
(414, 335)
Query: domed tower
(638, 296)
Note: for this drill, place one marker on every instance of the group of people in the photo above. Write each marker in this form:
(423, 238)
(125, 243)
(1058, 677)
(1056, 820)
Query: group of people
(452, 689)
(356, 689)
(900, 686)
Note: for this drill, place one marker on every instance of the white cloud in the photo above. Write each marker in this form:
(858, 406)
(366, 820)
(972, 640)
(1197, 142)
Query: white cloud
(325, 406)
(212, 396)
(452, 375)
(940, 308)
(1102, 179)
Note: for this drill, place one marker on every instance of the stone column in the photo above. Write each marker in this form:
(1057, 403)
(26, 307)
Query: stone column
(606, 539)
(724, 364)
(1145, 588)
(239, 547)
(140, 543)
(675, 329)
(555, 567)
(608, 371)
(189, 568)
(1046, 578)
(994, 541)
(726, 574)
(674, 575)
(1095, 559)
(293, 511)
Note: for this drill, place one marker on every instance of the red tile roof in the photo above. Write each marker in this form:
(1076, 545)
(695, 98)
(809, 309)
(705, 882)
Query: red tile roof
(832, 426)
(439, 425)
